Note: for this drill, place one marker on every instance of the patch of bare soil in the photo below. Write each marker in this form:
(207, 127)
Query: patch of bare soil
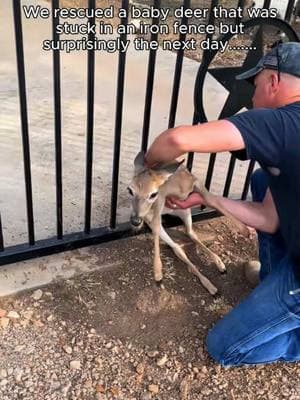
(113, 334)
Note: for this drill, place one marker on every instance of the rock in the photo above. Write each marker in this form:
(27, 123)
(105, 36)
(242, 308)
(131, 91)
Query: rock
(37, 294)
(100, 388)
(161, 362)
(54, 377)
(75, 364)
(88, 384)
(100, 396)
(108, 345)
(2, 313)
(27, 314)
(184, 388)
(68, 349)
(152, 354)
(18, 374)
(3, 373)
(13, 315)
(99, 362)
(204, 370)
(38, 323)
(140, 368)
(153, 388)
(19, 348)
(3, 382)
(4, 322)
(112, 295)
(181, 350)
(50, 318)
(146, 396)
(115, 391)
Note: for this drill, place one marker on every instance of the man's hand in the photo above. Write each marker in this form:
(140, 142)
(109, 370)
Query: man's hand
(194, 199)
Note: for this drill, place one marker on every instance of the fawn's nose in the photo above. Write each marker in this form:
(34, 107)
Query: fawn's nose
(135, 221)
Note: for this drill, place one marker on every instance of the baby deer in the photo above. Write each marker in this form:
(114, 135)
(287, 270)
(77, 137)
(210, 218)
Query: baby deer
(149, 189)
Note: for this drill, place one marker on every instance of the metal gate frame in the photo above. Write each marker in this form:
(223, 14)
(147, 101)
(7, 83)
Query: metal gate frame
(63, 242)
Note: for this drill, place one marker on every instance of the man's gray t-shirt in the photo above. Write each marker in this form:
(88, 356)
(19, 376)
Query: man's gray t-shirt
(272, 138)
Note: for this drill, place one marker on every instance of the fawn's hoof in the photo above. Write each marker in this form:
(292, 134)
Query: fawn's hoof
(220, 265)
(160, 284)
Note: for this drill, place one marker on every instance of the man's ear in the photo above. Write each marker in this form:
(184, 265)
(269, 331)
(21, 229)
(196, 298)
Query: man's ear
(139, 162)
(168, 169)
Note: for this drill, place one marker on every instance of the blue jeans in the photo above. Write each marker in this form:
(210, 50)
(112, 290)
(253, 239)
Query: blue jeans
(265, 326)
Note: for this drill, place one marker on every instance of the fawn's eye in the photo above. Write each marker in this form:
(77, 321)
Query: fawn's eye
(153, 195)
(130, 191)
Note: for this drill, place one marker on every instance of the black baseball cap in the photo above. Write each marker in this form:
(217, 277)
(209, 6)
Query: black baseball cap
(285, 57)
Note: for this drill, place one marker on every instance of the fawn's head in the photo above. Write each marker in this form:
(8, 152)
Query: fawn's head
(144, 187)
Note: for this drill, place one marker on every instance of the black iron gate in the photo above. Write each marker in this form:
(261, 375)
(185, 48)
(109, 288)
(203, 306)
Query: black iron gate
(114, 231)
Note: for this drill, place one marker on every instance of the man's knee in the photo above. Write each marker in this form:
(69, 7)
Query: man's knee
(216, 345)
(213, 346)
(218, 348)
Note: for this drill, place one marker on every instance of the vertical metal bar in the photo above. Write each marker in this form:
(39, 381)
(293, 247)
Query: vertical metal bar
(232, 161)
(267, 4)
(118, 122)
(24, 117)
(211, 20)
(289, 10)
(229, 176)
(247, 180)
(1, 236)
(57, 124)
(241, 4)
(178, 69)
(150, 82)
(210, 170)
(90, 125)
(190, 159)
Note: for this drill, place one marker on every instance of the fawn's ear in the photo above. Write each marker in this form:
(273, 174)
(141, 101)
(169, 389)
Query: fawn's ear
(139, 162)
(168, 169)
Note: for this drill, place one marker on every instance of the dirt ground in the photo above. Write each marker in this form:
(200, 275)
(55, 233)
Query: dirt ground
(113, 334)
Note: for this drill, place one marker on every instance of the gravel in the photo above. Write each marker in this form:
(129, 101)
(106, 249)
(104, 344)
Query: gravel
(93, 346)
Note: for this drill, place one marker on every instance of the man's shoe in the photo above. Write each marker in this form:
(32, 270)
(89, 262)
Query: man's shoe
(252, 270)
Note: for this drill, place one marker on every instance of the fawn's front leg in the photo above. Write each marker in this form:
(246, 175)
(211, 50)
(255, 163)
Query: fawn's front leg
(157, 264)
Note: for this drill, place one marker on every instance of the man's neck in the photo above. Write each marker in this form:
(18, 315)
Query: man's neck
(287, 101)
(289, 98)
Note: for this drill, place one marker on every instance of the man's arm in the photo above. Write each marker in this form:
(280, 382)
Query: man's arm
(260, 216)
(210, 137)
